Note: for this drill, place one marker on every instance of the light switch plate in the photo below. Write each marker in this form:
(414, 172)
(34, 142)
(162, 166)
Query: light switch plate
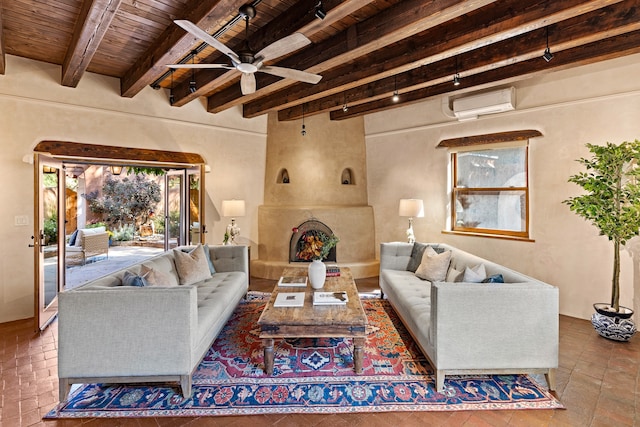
(20, 220)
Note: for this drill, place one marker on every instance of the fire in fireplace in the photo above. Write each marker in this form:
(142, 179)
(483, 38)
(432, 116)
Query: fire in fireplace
(300, 236)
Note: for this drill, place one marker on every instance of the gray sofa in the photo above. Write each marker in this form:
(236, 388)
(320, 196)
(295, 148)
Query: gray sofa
(470, 328)
(110, 333)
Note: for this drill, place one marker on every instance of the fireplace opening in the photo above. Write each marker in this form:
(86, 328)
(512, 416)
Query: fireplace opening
(300, 237)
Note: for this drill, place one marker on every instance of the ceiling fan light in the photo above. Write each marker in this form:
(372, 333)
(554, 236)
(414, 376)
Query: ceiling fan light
(547, 56)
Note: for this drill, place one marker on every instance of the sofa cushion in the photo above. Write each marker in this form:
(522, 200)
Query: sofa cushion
(434, 266)
(212, 269)
(73, 238)
(474, 274)
(192, 267)
(132, 279)
(156, 277)
(416, 256)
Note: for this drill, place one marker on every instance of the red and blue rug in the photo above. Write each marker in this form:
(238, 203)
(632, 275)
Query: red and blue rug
(310, 376)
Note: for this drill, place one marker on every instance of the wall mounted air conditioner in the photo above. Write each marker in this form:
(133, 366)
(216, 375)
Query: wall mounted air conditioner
(472, 106)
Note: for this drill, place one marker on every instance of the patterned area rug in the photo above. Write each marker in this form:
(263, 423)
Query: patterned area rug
(310, 376)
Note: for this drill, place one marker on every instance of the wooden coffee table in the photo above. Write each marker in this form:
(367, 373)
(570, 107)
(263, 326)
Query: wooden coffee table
(309, 321)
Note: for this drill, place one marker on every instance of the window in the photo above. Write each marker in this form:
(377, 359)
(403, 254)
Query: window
(490, 192)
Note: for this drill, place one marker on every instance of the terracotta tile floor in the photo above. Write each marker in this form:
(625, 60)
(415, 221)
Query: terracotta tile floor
(598, 382)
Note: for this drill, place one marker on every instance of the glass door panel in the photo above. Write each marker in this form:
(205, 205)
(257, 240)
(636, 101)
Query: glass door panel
(174, 219)
(48, 238)
(195, 212)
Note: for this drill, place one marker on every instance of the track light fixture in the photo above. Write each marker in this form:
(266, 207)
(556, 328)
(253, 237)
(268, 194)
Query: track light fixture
(345, 107)
(172, 99)
(320, 12)
(547, 56)
(395, 97)
(192, 82)
(303, 132)
(456, 76)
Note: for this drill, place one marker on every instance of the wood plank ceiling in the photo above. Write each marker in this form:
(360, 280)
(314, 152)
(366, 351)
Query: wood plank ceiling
(364, 49)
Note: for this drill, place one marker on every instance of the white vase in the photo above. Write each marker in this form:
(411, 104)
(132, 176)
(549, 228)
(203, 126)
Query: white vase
(317, 273)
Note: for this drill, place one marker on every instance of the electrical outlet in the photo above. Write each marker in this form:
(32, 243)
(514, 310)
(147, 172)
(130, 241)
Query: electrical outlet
(20, 220)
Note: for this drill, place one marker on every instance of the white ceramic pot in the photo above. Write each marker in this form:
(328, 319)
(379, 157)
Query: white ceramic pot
(317, 274)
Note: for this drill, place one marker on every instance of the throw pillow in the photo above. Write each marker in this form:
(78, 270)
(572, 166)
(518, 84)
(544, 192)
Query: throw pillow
(207, 254)
(496, 278)
(72, 239)
(193, 266)
(434, 266)
(474, 274)
(131, 279)
(416, 256)
(454, 275)
(155, 277)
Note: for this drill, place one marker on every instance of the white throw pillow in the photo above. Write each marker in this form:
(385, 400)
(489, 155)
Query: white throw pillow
(155, 277)
(434, 266)
(454, 275)
(192, 267)
(475, 274)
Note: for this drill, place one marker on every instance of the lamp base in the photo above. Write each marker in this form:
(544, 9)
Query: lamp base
(233, 231)
(410, 236)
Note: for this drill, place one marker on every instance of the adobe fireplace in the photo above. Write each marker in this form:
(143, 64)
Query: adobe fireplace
(301, 238)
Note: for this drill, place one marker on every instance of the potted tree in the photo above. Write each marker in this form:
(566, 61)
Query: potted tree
(611, 203)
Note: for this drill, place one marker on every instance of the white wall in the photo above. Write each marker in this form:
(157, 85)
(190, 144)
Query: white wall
(590, 104)
(36, 107)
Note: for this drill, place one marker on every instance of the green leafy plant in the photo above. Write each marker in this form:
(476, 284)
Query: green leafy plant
(124, 233)
(126, 201)
(612, 201)
(50, 230)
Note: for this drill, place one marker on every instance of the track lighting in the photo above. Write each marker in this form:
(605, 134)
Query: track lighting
(320, 12)
(547, 56)
(303, 132)
(456, 76)
(345, 108)
(172, 99)
(395, 97)
(192, 83)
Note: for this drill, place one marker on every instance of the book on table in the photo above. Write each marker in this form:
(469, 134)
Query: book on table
(333, 271)
(293, 281)
(289, 299)
(330, 298)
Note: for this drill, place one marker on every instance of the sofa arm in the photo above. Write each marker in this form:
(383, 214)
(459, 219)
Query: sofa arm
(395, 256)
(230, 258)
(113, 332)
(486, 325)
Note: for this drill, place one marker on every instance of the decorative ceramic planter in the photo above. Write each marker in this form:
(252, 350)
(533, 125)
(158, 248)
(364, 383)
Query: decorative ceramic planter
(317, 273)
(613, 325)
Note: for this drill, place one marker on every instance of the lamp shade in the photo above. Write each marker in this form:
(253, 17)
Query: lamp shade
(411, 207)
(233, 208)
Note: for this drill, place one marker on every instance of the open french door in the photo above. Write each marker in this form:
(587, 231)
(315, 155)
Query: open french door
(48, 237)
(183, 207)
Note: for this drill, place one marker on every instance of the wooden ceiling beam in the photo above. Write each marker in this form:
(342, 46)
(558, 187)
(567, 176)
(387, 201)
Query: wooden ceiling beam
(91, 26)
(508, 19)
(172, 44)
(610, 48)
(402, 20)
(616, 19)
(299, 18)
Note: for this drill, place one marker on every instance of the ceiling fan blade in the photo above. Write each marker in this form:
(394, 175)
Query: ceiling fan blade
(247, 83)
(282, 47)
(290, 73)
(193, 29)
(223, 66)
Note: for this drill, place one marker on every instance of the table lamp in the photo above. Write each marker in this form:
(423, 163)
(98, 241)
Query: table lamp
(233, 208)
(412, 208)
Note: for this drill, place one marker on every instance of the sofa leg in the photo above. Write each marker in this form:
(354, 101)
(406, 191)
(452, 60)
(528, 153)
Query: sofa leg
(439, 381)
(381, 295)
(551, 379)
(185, 385)
(63, 389)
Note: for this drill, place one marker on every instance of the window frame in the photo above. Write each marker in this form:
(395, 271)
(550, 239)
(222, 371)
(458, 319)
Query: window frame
(455, 191)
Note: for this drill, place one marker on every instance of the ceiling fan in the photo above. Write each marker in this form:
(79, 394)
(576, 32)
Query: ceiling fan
(246, 61)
